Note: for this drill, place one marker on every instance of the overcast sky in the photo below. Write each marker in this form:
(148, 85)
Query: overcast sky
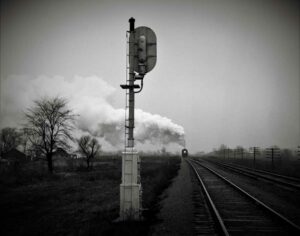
(227, 71)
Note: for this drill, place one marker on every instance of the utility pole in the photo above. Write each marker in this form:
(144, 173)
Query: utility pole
(241, 151)
(255, 152)
(141, 58)
(273, 152)
(228, 152)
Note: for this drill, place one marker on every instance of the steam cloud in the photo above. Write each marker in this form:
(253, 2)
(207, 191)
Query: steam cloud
(89, 98)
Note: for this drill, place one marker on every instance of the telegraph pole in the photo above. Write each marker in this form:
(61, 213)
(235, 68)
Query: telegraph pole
(228, 152)
(141, 58)
(273, 152)
(241, 152)
(255, 152)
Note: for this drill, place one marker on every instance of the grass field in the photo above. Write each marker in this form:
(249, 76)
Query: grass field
(74, 201)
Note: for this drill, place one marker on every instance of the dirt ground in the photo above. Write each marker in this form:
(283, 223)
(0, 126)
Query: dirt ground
(176, 214)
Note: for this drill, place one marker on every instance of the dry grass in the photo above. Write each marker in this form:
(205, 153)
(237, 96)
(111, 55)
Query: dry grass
(74, 201)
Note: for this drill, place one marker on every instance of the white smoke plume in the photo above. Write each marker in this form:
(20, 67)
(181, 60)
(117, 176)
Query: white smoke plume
(89, 98)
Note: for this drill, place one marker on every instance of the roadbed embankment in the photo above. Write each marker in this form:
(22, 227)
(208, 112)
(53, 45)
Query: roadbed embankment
(176, 212)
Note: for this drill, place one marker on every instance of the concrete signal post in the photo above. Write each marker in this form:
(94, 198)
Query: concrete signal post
(141, 58)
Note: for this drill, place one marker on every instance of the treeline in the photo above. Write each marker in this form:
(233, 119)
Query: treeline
(48, 129)
(272, 152)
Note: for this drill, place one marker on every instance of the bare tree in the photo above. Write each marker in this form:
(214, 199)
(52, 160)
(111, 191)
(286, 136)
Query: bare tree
(163, 151)
(49, 124)
(24, 140)
(89, 147)
(9, 139)
(240, 150)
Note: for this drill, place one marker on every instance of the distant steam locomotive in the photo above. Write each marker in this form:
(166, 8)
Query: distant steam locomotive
(184, 152)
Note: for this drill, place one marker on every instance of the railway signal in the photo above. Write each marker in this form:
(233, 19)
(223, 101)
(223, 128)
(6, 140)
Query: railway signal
(141, 59)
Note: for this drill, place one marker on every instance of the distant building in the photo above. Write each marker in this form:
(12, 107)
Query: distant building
(61, 153)
(15, 156)
(61, 158)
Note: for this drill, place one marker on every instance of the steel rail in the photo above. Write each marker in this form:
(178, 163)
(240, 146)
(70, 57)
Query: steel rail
(268, 172)
(269, 209)
(257, 175)
(211, 204)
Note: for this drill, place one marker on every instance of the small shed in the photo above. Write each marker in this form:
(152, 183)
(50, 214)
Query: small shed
(14, 155)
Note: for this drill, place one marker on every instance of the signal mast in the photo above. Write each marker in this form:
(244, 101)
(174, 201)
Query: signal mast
(141, 58)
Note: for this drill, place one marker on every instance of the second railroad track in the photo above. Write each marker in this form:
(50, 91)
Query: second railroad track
(235, 211)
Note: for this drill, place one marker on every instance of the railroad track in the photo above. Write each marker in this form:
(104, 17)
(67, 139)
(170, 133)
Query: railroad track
(236, 212)
(282, 180)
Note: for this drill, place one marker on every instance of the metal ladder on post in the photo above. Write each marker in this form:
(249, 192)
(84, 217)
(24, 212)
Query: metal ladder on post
(127, 94)
(127, 120)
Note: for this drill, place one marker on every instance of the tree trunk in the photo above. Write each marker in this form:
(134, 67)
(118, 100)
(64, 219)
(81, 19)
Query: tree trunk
(50, 164)
(88, 163)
